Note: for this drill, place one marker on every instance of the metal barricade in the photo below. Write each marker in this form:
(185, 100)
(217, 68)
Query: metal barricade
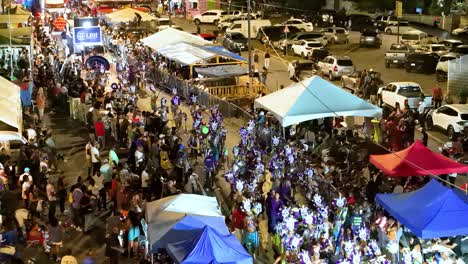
(184, 88)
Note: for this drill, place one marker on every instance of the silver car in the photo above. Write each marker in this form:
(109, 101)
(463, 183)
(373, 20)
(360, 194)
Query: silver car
(336, 66)
(335, 35)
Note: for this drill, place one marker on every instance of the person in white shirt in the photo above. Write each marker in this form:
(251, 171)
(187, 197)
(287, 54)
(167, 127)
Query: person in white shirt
(95, 159)
(89, 164)
(145, 180)
(32, 135)
(25, 177)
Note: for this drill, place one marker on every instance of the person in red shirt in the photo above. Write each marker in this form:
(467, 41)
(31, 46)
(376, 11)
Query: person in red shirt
(238, 218)
(100, 132)
(437, 96)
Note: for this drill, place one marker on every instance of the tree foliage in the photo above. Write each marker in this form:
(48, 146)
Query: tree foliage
(372, 5)
(439, 6)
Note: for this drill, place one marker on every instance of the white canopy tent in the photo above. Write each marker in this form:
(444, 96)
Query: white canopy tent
(126, 15)
(314, 98)
(185, 53)
(162, 214)
(10, 104)
(171, 36)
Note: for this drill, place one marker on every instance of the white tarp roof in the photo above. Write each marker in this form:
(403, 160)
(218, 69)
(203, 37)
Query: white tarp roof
(171, 36)
(10, 104)
(314, 98)
(185, 53)
(126, 15)
(162, 214)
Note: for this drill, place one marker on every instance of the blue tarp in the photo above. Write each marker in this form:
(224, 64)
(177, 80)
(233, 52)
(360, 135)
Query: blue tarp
(208, 246)
(189, 226)
(221, 51)
(431, 212)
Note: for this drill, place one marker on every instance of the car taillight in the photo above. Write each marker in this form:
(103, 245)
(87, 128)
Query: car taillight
(335, 68)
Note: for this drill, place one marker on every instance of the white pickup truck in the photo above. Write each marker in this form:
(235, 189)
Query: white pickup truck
(398, 94)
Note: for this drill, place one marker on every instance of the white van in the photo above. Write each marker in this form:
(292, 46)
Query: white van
(241, 26)
(416, 37)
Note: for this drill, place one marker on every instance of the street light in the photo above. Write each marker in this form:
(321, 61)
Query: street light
(249, 45)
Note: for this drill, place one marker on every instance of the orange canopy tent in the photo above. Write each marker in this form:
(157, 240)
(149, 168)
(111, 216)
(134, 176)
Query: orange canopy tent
(416, 160)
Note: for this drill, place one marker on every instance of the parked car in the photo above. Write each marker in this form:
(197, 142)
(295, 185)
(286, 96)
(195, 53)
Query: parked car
(287, 42)
(417, 37)
(232, 15)
(462, 49)
(304, 48)
(302, 25)
(421, 62)
(318, 55)
(381, 22)
(350, 81)
(397, 54)
(210, 17)
(235, 41)
(460, 31)
(442, 65)
(398, 94)
(274, 33)
(434, 49)
(242, 26)
(398, 27)
(335, 34)
(335, 66)
(451, 117)
(206, 36)
(303, 68)
(451, 43)
(360, 22)
(370, 39)
(223, 25)
(163, 23)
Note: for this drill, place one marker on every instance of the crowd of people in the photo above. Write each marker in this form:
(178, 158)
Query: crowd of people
(318, 207)
(307, 193)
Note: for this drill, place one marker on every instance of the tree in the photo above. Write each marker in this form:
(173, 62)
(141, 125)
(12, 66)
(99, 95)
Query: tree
(372, 5)
(439, 6)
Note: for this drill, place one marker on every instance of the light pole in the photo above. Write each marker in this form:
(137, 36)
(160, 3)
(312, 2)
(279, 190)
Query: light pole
(249, 44)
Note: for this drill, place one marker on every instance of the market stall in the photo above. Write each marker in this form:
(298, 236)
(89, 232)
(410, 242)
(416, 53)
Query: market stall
(314, 98)
(126, 15)
(163, 214)
(431, 212)
(409, 162)
(171, 36)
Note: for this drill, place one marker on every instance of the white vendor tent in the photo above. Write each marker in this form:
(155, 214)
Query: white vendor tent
(162, 214)
(126, 15)
(314, 98)
(186, 54)
(10, 105)
(171, 36)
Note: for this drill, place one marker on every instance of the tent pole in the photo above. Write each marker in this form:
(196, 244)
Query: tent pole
(284, 132)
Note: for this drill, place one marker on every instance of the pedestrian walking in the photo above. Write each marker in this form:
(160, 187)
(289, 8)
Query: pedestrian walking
(437, 95)
(266, 60)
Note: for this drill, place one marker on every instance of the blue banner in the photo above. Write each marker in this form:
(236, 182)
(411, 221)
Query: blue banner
(87, 36)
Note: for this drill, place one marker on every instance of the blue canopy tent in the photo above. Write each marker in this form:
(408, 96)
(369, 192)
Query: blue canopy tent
(189, 226)
(208, 246)
(431, 212)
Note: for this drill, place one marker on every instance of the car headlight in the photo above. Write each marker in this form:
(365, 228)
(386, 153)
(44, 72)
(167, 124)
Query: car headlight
(462, 123)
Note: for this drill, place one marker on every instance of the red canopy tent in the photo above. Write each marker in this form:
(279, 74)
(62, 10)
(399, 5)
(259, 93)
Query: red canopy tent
(416, 160)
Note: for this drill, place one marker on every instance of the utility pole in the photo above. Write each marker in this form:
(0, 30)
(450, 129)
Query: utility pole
(398, 14)
(249, 45)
